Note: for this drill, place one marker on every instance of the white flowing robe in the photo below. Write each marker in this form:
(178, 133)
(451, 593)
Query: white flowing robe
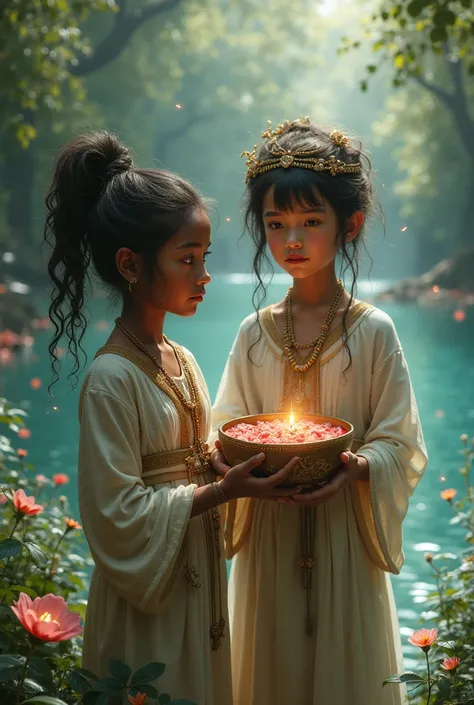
(358, 534)
(141, 608)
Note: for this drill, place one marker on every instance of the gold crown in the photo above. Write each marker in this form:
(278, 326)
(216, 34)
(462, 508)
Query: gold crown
(300, 159)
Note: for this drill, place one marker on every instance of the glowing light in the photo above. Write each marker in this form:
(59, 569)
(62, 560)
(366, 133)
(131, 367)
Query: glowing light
(405, 228)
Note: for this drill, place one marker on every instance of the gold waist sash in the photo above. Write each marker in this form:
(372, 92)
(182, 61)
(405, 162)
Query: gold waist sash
(171, 466)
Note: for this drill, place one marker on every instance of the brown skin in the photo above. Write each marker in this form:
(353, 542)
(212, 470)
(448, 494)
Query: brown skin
(313, 236)
(178, 288)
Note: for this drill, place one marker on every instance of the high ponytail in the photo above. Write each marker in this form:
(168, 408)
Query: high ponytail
(98, 202)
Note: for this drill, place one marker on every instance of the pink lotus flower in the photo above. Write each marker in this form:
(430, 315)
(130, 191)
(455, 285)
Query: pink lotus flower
(24, 433)
(450, 664)
(424, 638)
(47, 618)
(3, 499)
(60, 479)
(26, 505)
(448, 495)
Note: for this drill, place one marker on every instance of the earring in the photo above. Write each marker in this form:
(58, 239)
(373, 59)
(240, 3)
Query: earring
(131, 282)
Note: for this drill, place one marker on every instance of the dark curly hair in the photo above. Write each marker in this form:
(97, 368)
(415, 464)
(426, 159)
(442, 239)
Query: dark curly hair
(346, 193)
(99, 202)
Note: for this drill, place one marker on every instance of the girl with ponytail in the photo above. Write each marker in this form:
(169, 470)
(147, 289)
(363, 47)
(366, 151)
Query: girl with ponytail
(148, 503)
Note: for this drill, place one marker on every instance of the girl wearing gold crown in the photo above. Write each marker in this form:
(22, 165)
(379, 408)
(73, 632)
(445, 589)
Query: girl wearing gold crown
(313, 619)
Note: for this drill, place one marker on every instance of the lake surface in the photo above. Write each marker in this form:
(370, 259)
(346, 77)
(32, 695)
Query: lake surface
(439, 351)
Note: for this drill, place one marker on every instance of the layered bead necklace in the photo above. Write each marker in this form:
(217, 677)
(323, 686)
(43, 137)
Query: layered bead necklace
(290, 343)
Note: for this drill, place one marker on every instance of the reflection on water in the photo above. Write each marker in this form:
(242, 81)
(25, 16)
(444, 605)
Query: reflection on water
(439, 353)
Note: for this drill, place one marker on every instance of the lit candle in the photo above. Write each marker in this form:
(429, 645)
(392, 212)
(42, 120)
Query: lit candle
(292, 420)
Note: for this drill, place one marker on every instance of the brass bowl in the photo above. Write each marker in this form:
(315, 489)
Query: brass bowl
(318, 460)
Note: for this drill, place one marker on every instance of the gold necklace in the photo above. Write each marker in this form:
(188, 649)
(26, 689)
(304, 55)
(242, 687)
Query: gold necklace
(210, 519)
(317, 345)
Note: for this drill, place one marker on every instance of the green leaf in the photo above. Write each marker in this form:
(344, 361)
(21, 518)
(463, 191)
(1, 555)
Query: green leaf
(145, 689)
(444, 686)
(466, 3)
(10, 547)
(414, 8)
(79, 608)
(78, 683)
(93, 698)
(43, 700)
(108, 685)
(40, 670)
(449, 647)
(444, 17)
(6, 613)
(7, 660)
(148, 673)
(363, 86)
(405, 678)
(4, 642)
(36, 553)
(31, 687)
(372, 68)
(23, 588)
(438, 34)
(120, 670)
(87, 674)
(10, 673)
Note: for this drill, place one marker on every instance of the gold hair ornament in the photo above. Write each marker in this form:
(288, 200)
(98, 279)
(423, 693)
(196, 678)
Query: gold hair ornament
(339, 138)
(300, 159)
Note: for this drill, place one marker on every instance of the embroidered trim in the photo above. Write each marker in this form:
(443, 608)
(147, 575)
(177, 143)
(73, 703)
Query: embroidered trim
(267, 320)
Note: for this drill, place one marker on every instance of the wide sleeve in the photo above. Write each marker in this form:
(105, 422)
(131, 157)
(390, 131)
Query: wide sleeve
(134, 532)
(396, 453)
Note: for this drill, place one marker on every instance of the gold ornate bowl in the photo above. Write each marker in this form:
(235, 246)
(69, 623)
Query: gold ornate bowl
(318, 459)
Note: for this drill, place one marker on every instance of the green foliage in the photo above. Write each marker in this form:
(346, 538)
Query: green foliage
(450, 663)
(406, 34)
(43, 554)
(41, 40)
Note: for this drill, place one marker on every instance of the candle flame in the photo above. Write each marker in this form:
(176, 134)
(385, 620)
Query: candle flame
(292, 420)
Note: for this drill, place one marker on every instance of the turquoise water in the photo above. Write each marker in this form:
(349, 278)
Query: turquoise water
(439, 353)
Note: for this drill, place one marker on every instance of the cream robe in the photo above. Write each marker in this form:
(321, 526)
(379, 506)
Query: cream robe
(358, 534)
(141, 607)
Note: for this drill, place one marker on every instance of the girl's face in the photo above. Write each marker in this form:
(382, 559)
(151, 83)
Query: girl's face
(180, 275)
(180, 283)
(303, 241)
